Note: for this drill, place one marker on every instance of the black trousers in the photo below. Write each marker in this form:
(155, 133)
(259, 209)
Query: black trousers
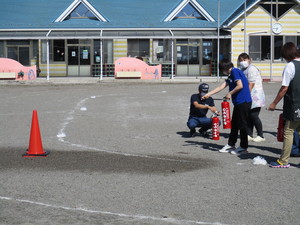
(254, 121)
(239, 122)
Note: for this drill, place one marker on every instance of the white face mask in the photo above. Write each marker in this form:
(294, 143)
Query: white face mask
(244, 64)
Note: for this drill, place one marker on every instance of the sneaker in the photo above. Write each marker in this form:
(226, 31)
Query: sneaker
(227, 148)
(250, 138)
(278, 164)
(192, 132)
(239, 151)
(259, 139)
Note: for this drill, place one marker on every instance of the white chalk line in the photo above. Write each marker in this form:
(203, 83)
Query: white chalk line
(61, 135)
(91, 211)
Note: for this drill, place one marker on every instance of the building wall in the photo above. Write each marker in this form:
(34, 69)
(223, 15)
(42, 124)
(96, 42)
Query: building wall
(258, 20)
(120, 48)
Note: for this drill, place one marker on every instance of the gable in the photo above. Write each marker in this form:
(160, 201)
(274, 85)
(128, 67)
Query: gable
(189, 9)
(279, 9)
(80, 9)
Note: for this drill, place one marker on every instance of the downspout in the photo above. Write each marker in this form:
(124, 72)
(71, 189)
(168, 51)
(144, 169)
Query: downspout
(172, 55)
(48, 56)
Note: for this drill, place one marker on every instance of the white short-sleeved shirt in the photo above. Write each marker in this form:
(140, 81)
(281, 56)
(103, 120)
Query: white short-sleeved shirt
(288, 73)
(257, 94)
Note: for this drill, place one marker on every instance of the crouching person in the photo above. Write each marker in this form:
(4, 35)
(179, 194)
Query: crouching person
(198, 111)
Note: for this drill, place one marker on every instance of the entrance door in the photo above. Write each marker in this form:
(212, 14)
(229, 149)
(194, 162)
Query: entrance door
(188, 54)
(79, 60)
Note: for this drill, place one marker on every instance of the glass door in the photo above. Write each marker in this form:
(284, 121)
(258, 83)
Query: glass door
(79, 59)
(188, 54)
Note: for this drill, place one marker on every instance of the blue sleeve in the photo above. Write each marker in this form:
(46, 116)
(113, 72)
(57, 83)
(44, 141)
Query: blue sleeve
(236, 75)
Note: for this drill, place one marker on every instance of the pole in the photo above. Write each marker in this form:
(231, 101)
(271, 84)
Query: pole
(48, 56)
(101, 56)
(218, 51)
(101, 59)
(271, 40)
(172, 55)
(245, 25)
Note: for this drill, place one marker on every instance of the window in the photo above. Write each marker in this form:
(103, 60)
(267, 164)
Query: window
(187, 51)
(19, 51)
(162, 50)
(279, 7)
(59, 50)
(56, 51)
(189, 12)
(259, 48)
(207, 51)
(138, 47)
(107, 51)
(44, 51)
(1, 48)
(81, 12)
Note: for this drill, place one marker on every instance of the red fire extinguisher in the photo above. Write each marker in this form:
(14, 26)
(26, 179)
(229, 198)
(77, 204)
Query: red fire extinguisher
(280, 129)
(215, 127)
(226, 114)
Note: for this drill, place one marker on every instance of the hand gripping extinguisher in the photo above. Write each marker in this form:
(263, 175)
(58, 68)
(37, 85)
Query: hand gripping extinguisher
(226, 114)
(215, 127)
(280, 129)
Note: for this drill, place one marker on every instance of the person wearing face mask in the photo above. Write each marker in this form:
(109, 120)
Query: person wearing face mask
(239, 92)
(257, 94)
(198, 111)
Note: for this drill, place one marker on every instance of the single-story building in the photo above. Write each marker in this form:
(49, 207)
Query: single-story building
(86, 37)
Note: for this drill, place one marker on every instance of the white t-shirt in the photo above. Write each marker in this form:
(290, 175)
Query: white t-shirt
(257, 94)
(288, 73)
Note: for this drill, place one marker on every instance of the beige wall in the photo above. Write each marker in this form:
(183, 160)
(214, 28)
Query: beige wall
(258, 20)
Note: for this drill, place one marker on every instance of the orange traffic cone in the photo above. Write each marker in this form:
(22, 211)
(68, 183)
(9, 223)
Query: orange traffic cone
(35, 143)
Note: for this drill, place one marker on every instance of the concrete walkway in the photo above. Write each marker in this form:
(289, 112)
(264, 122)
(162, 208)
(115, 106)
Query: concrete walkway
(91, 80)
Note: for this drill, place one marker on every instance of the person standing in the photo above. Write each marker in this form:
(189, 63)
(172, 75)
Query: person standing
(198, 111)
(239, 92)
(290, 91)
(257, 94)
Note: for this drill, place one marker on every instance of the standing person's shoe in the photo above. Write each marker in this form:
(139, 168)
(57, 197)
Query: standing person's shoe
(192, 132)
(239, 151)
(278, 164)
(227, 148)
(259, 139)
(250, 138)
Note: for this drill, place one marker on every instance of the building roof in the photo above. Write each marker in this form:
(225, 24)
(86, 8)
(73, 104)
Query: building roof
(56, 19)
(115, 14)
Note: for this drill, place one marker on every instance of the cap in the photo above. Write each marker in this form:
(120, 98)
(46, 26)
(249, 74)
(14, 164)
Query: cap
(204, 87)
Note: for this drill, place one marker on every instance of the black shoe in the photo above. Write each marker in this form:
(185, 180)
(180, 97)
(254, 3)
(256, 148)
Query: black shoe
(295, 155)
(192, 132)
(204, 133)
